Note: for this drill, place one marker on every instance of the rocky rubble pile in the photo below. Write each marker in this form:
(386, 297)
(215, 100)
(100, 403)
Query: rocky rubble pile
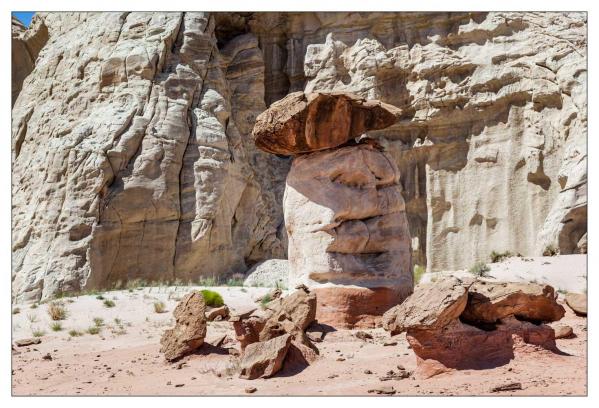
(348, 235)
(268, 338)
(474, 324)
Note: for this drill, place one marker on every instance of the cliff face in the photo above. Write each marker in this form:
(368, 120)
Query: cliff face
(132, 154)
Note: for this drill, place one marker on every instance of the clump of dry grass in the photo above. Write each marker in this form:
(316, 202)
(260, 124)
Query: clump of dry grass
(75, 333)
(93, 330)
(159, 307)
(57, 311)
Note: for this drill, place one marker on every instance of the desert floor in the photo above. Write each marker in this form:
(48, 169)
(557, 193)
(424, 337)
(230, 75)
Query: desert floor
(124, 358)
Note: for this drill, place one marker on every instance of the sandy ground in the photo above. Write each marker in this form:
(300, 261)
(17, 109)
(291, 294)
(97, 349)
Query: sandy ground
(124, 358)
(563, 272)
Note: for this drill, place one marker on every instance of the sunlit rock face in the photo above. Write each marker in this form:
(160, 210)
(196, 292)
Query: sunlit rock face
(132, 153)
(348, 233)
(346, 221)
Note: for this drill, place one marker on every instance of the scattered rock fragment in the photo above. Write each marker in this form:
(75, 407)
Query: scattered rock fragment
(489, 302)
(28, 342)
(432, 305)
(47, 357)
(250, 390)
(214, 313)
(382, 391)
(264, 359)
(577, 302)
(507, 387)
(563, 331)
(190, 328)
(362, 335)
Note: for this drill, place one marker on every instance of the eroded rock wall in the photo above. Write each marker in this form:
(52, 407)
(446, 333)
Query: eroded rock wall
(492, 146)
(132, 156)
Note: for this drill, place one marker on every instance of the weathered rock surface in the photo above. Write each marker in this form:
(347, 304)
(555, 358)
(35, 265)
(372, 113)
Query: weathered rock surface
(461, 346)
(431, 306)
(563, 331)
(26, 45)
(217, 313)
(270, 273)
(489, 302)
(345, 220)
(577, 302)
(450, 324)
(264, 359)
(190, 328)
(132, 153)
(347, 229)
(303, 123)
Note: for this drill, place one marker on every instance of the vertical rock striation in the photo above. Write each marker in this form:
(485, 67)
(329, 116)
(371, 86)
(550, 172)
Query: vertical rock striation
(132, 156)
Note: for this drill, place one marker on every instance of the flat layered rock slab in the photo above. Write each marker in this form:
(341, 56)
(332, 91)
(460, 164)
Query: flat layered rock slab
(303, 123)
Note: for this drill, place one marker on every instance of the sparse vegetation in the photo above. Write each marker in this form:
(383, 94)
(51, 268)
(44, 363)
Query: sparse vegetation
(32, 318)
(480, 269)
(100, 297)
(56, 326)
(109, 303)
(234, 281)
(38, 332)
(266, 299)
(500, 256)
(98, 321)
(117, 321)
(159, 307)
(93, 330)
(212, 298)
(75, 333)
(207, 281)
(550, 250)
(34, 306)
(57, 311)
(16, 310)
(419, 270)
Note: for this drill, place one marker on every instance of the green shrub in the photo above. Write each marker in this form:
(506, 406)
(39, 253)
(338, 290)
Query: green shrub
(500, 256)
(266, 299)
(93, 330)
(480, 269)
(212, 298)
(56, 326)
(98, 321)
(109, 303)
(34, 306)
(418, 272)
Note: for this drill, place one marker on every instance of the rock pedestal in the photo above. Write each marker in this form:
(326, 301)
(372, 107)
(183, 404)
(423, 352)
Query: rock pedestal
(344, 213)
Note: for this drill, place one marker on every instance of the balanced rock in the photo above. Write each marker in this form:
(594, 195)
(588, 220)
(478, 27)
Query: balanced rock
(302, 123)
(264, 359)
(431, 306)
(190, 328)
(577, 302)
(489, 302)
(348, 232)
